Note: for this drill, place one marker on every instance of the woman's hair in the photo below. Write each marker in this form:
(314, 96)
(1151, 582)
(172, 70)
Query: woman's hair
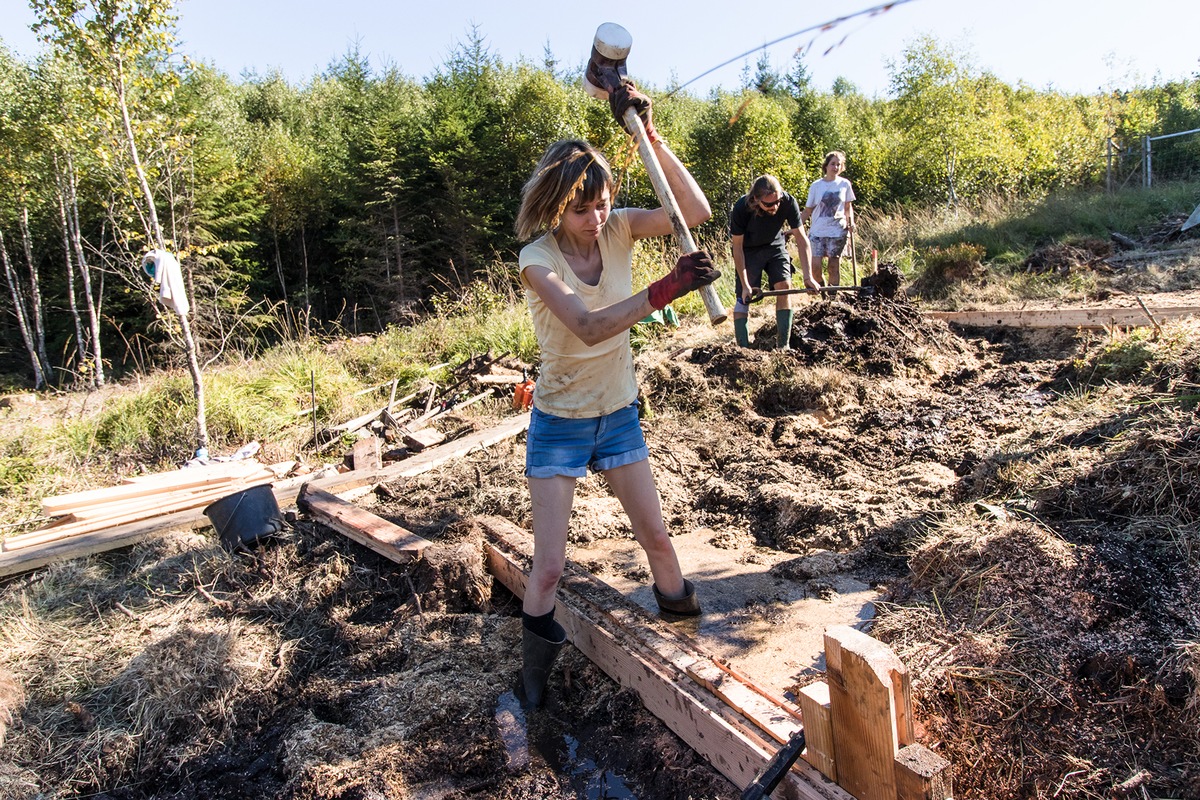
(764, 185)
(570, 171)
(830, 155)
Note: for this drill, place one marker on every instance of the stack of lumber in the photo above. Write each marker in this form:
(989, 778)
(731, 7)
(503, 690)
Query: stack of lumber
(141, 497)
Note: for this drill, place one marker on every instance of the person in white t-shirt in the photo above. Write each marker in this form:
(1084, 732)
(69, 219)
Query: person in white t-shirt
(830, 209)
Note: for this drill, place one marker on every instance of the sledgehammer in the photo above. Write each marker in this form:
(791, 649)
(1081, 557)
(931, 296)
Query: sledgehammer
(604, 71)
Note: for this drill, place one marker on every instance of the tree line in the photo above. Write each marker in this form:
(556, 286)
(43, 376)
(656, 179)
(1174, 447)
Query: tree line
(357, 196)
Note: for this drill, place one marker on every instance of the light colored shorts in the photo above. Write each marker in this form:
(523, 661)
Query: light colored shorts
(827, 246)
(560, 446)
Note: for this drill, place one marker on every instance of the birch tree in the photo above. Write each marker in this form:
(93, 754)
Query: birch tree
(124, 46)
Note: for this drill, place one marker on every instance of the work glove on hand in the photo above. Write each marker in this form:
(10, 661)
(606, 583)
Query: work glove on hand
(627, 96)
(690, 273)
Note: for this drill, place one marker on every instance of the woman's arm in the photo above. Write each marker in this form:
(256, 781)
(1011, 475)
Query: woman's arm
(693, 205)
(592, 327)
(849, 211)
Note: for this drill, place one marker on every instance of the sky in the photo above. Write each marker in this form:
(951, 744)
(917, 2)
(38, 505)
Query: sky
(1068, 45)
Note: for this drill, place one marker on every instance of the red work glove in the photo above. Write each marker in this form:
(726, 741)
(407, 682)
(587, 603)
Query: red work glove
(691, 272)
(628, 96)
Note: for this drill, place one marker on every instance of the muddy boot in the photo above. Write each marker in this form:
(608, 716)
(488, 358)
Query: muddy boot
(538, 654)
(686, 606)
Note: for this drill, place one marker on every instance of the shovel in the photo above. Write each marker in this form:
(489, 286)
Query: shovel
(759, 294)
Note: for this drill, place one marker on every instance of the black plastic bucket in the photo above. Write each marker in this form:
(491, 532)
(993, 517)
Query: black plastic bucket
(243, 518)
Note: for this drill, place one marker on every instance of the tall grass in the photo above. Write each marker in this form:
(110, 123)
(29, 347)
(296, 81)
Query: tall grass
(1006, 230)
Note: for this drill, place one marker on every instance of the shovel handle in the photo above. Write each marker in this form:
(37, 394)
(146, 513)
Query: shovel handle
(683, 236)
(853, 255)
(776, 768)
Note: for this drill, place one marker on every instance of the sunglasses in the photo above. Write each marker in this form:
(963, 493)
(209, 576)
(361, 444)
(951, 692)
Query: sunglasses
(768, 205)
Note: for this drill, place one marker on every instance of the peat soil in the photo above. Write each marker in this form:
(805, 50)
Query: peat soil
(1026, 542)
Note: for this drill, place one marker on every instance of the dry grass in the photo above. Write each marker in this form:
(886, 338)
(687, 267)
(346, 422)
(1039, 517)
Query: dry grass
(131, 669)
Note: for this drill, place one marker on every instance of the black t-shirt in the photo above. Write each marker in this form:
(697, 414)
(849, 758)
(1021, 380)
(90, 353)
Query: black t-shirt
(763, 230)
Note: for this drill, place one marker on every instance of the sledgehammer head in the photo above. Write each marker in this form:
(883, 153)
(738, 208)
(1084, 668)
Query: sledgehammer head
(606, 67)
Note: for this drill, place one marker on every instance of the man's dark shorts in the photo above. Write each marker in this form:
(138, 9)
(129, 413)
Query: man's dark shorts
(776, 264)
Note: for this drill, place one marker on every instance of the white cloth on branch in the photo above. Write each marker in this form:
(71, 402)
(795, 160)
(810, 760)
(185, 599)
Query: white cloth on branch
(169, 277)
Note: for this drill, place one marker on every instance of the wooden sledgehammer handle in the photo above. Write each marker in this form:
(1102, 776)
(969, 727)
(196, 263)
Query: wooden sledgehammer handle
(683, 236)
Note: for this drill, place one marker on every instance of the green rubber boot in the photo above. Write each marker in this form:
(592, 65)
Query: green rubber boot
(538, 655)
(783, 319)
(741, 331)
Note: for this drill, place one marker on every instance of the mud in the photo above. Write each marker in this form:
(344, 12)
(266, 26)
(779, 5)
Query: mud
(940, 489)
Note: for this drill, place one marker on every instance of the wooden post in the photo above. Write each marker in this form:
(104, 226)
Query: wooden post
(869, 707)
(818, 727)
(922, 774)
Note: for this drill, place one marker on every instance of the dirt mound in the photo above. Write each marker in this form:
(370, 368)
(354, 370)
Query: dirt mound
(1061, 258)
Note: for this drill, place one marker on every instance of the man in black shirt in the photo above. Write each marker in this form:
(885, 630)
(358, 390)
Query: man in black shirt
(757, 225)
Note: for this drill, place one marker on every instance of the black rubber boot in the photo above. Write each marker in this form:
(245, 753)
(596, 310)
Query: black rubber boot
(539, 655)
(686, 606)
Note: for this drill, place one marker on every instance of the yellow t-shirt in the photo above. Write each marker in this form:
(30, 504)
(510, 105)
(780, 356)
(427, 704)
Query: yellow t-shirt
(577, 381)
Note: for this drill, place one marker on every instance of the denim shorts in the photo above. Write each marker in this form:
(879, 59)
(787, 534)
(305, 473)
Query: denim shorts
(827, 246)
(559, 446)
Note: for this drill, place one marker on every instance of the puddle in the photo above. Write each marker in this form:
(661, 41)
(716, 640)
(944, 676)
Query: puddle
(540, 737)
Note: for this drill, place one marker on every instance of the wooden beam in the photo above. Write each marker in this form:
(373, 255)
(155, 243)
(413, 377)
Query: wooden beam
(818, 724)
(867, 695)
(643, 653)
(1061, 317)
(922, 774)
(385, 538)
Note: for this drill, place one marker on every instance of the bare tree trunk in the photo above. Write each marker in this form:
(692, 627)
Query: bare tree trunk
(39, 378)
(399, 253)
(156, 233)
(35, 295)
(80, 340)
(89, 297)
(304, 262)
(279, 262)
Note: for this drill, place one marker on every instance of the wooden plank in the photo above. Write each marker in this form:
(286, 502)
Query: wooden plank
(170, 504)
(771, 719)
(922, 774)
(1062, 317)
(165, 498)
(123, 535)
(628, 654)
(818, 726)
(385, 538)
(499, 380)
(423, 439)
(127, 534)
(861, 673)
(428, 460)
(191, 477)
